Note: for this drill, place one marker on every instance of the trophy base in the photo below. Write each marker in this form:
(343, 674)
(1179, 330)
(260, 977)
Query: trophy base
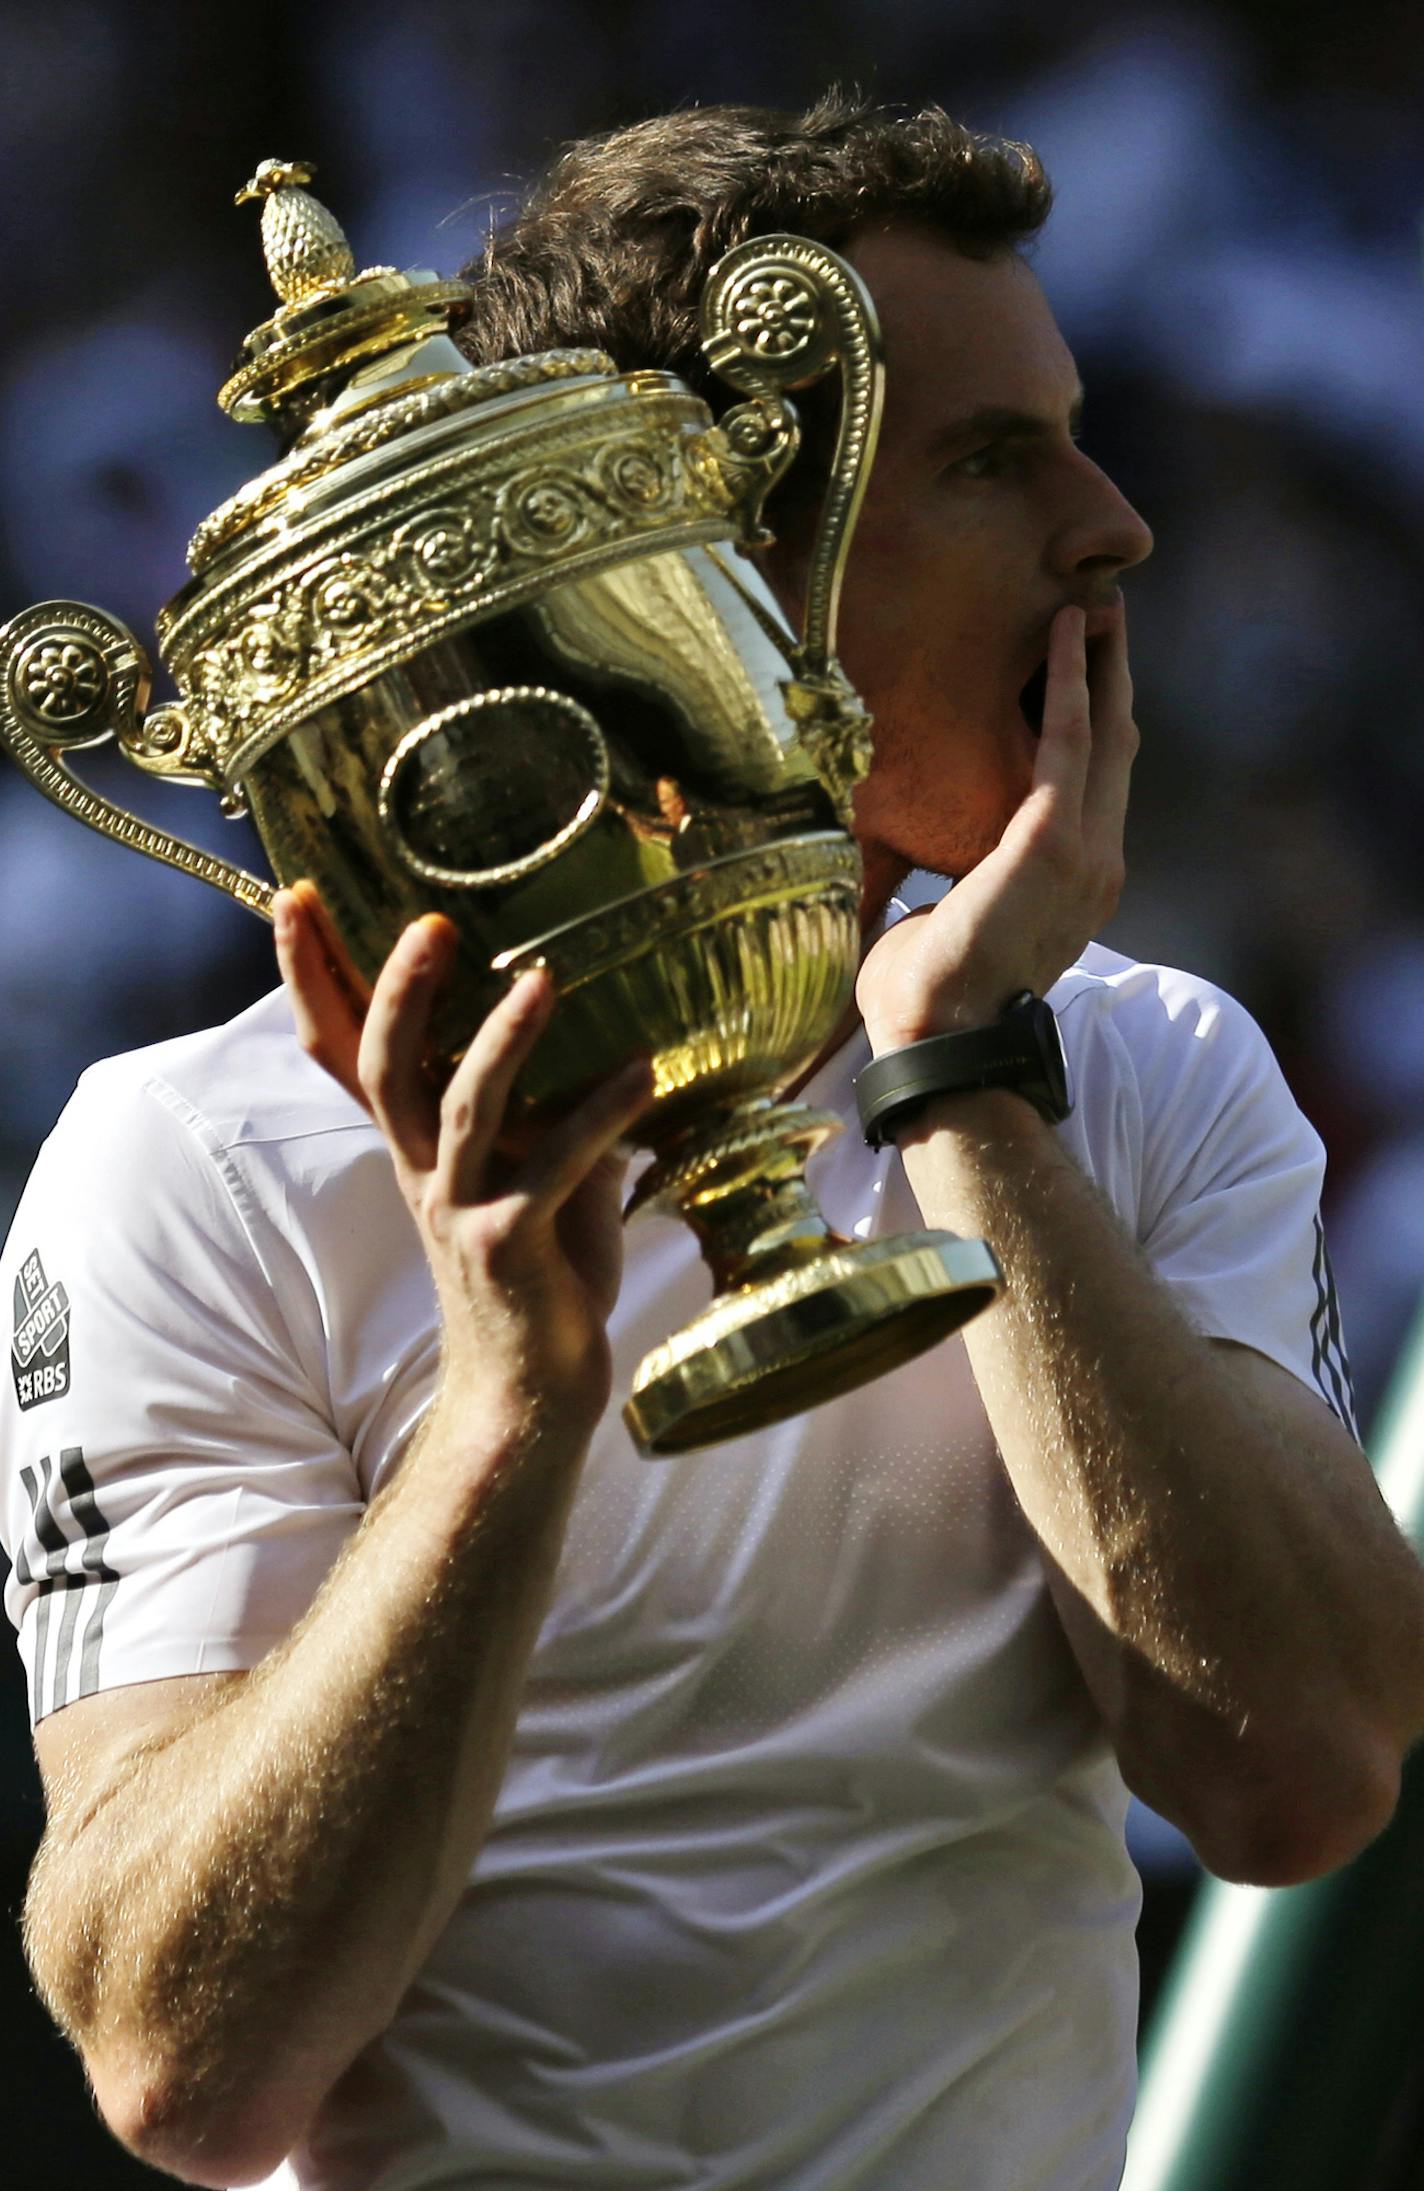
(772, 1349)
(800, 1314)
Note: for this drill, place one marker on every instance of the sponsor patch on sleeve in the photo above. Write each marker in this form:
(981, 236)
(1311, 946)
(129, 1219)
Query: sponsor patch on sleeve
(39, 1350)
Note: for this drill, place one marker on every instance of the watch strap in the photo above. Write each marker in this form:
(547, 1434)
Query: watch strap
(1010, 1054)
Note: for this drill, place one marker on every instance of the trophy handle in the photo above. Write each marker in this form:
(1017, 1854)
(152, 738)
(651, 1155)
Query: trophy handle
(777, 313)
(70, 676)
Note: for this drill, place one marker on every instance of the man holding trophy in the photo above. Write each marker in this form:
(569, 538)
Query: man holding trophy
(441, 1793)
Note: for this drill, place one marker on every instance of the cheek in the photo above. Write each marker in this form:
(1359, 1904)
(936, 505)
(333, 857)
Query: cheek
(924, 646)
(920, 583)
(891, 602)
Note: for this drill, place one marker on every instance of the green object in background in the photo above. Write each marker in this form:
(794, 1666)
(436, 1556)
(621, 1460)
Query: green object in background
(1288, 2050)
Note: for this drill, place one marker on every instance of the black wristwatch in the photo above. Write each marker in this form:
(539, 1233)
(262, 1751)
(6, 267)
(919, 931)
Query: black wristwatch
(1023, 1050)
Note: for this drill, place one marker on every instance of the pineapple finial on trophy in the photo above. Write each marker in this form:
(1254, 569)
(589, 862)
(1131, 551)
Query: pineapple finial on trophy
(332, 321)
(307, 252)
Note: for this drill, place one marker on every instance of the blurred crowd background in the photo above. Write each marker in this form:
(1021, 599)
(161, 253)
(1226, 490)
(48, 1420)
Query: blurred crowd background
(1235, 255)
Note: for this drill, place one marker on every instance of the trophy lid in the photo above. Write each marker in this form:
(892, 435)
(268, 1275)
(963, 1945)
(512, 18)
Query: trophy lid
(349, 361)
(417, 492)
(330, 319)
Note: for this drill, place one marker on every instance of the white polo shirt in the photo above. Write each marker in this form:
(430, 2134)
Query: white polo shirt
(807, 1873)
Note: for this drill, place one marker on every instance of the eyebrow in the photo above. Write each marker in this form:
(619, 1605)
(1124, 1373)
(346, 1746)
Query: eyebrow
(998, 421)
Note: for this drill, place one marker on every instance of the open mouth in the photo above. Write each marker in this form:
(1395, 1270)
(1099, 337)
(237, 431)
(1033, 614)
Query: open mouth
(1032, 697)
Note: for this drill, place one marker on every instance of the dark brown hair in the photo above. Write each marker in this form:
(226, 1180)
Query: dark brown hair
(615, 243)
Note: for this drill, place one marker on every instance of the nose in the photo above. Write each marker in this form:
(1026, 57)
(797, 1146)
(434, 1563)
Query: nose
(1100, 530)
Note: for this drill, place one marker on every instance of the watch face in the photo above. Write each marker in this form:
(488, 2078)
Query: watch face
(1057, 1095)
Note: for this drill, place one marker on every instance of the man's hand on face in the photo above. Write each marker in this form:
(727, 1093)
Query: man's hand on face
(523, 1231)
(1024, 913)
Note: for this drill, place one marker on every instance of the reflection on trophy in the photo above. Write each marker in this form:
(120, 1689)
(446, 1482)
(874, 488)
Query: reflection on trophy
(488, 642)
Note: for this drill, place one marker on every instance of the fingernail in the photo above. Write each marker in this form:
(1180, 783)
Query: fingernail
(417, 947)
(283, 920)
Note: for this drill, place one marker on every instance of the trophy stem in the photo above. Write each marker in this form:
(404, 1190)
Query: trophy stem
(740, 1184)
(799, 1313)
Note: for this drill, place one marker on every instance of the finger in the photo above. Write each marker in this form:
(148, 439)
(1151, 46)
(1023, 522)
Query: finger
(1109, 674)
(310, 899)
(472, 1114)
(1115, 739)
(1066, 739)
(325, 1013)
(394, 1040)
(571, 1152)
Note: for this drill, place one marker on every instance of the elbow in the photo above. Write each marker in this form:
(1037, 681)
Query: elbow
(218, 2145)
(1288, 1827)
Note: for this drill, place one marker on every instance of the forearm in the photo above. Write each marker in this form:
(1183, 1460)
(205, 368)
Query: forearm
(235, 1918)
(1248, 1619)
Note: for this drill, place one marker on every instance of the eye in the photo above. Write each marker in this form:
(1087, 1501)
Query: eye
(988, 462)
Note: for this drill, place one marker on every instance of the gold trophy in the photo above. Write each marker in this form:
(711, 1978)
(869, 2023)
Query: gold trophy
(489, 642)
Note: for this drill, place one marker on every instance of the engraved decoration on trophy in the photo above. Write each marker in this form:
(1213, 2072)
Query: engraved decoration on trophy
(493, 642)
